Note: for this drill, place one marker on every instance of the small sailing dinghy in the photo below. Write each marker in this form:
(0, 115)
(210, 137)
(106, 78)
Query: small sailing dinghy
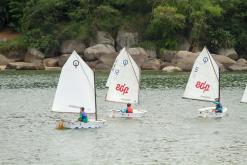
(244, 98)
(75, 89)
(123, 83)
(204, 83)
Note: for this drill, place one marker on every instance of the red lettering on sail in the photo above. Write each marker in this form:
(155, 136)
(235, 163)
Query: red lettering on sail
(122, 88)
(203, 86)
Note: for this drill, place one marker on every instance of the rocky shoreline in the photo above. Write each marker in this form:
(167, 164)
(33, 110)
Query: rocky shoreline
(102, 52)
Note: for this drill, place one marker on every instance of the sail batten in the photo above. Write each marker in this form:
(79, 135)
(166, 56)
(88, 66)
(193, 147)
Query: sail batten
(75, 87)
(203, 83)
(123, 81)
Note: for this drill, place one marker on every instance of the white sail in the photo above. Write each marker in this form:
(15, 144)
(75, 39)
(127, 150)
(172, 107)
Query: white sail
(203, 83)
(75, 87)
(244, 98)
(123, 81)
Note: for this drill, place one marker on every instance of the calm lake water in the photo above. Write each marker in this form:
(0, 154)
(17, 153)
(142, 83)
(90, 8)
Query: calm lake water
(171, 133)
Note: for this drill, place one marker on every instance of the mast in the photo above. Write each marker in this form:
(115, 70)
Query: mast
(96, 117)
(219, 84)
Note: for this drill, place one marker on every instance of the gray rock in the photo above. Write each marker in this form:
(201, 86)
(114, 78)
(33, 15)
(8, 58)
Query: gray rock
(167, 55)
(104, 38)
(33, 55)
(226, 61)
(3, 60)
(237, 67)
(51, 62)
(62, 59)
(68, 46)
(184, 60)
(95, 52)
(101, 66)
(2, 67)
(108, 59)
(151, 64)
(25, 66)
(16, 55)
(171, 69)
(241, 61)
(228, 52)
(139, 55)
(126, 39)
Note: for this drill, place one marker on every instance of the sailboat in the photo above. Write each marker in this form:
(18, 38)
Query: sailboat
(244, 98)
(204, 83)
(124, 84)
(75, 89)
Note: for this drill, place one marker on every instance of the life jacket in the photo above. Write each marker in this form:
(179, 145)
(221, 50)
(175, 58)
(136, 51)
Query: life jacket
(129, 110)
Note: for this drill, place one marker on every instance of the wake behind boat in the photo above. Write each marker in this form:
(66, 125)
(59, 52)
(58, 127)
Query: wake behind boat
(204, 84)
(76, 89)
(124, 84)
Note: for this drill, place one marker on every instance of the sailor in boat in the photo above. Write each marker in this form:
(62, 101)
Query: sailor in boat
(83, 116)
(129, 109)
(218, 108)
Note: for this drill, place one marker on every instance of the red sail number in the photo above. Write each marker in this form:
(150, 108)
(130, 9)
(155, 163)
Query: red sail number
(122, 88)
(203, 86)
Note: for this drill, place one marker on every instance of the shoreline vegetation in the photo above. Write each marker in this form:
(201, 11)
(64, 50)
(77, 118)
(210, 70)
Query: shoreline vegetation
(162, 35)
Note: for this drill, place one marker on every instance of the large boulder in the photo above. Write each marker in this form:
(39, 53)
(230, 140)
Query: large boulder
(172, 69)
(138, 54)
(167, 55)
(241, 61)
(237, 67)
(34, 56)
(104, 38)
(184, 60)
(2, 67)
(226, 61)
(228, 52)
(62, 59)
(95, 52)
(108, 59)
(25, 66)
(102, 66)
(3, 60)
(51, 62)
(126, 39)
(151, 64)
(68, 46)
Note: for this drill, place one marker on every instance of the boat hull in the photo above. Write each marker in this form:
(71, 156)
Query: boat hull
(136, 114)
(79, 125)
(207, 112)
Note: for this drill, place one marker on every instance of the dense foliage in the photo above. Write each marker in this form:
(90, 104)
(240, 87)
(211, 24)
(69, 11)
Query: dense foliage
(160, 23)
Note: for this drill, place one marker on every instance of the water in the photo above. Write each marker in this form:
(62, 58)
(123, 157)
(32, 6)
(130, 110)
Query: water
(171, 133)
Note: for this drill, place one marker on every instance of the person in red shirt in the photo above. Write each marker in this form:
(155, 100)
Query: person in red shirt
(129, 108)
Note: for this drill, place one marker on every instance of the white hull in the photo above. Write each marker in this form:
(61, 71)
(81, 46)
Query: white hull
(136, 114)
(207, 112)
(78, 124)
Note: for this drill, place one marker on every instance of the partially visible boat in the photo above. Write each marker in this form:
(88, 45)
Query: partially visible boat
(124, 84)
(75, 89)
(244, 97)
(204, 83)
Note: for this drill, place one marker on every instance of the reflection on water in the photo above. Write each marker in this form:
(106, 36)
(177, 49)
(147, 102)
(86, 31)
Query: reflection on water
(171, 133)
